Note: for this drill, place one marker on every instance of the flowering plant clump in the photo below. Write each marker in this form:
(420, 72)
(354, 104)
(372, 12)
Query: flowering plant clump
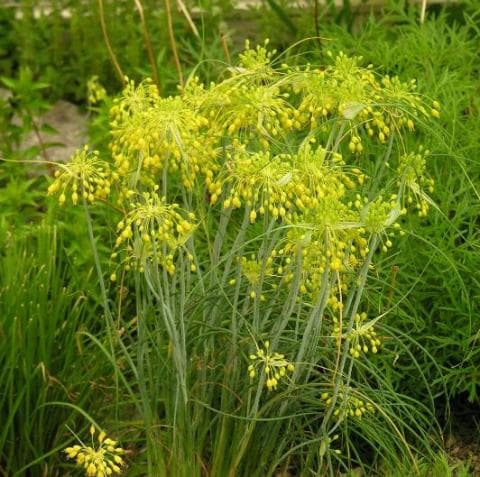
(99, 459)
(247, 208)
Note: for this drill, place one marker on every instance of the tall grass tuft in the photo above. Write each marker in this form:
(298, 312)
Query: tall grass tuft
(43, 358)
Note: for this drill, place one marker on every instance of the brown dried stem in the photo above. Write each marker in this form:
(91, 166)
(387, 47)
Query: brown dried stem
(113, 58)
(224, 41)
(148, 44)
(173, 43)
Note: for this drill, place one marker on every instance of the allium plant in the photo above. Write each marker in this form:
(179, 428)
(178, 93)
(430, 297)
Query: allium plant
(250, 213)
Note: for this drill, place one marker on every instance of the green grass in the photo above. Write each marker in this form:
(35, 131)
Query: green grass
(43, 358)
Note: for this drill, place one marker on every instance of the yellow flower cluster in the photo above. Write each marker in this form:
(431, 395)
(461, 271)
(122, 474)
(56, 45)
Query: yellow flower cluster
(273, 364)
(133, 100)
(280, 143)
(253, 268)
(257, 113)
(362, 338)
(413, 181)
(151, 133)
(380, 214)
(317, 175)
(95, 91)
(195, 95)
(329, 238)
(258, 181)
(84, 176)
(348, 405)
(153, 229)
(333, 235)
(344, 89)
(98, 460)
(278, 185)
(256, 63)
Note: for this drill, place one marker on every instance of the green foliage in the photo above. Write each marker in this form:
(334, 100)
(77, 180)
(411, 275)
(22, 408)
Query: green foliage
(68, 33)
(44, 358)
(7, 41)
(440, 466)
(19, 112)
(21, 199)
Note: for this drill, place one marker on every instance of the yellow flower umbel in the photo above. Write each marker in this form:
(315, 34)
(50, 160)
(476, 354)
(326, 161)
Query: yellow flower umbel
(85, 175)
(348, 405)
(255, 63)
(153, 229)
(258, 112)
(377, 105)
(260, 182)
(273, 364)
(343, 88)
(95, 91)
(101, 458)
(362, 337)
(152, 133)
(329, 237)
(318, 174)
(413, 181)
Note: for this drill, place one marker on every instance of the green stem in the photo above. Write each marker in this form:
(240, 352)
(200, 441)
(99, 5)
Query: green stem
(357, 293)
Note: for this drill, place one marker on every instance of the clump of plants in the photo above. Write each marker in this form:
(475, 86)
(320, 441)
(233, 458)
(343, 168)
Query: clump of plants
(247, 218)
